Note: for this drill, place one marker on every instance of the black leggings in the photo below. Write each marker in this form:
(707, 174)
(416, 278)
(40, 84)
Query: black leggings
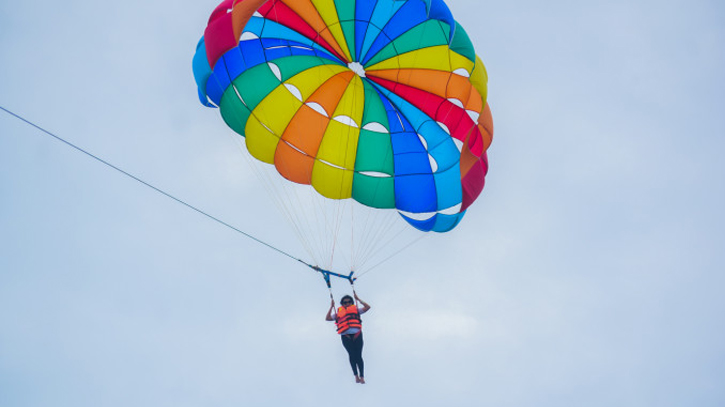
(353, 345)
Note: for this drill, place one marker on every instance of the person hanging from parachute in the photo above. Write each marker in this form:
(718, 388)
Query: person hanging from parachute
(348, 321)
(378, 105)
(349, 326)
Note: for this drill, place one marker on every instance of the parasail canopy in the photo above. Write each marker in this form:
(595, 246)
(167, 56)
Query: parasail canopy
(380, 101)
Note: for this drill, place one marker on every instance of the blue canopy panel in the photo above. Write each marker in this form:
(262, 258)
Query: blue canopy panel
(410, 128)
(363, 14)
(414, 181)
(384, 10)
(439, 10)
(202, 71)
(440, 223)
(439, 144)
(418, 140)
(410, 15)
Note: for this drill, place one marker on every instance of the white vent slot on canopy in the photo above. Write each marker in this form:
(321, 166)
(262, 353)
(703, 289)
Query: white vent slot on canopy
(376, 127)
(275, 70)
(294, 91)
(462, 72)
(248, 36)
(456, 102)
(346, 120)
(318, 108)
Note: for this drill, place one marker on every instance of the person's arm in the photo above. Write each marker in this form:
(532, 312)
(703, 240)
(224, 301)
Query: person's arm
(329, 316)
(365, 305)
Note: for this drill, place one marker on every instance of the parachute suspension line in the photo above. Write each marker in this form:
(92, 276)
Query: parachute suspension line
(309, 197)
(386, 237)
(354, 296)
(378, 241)
(160, 191)
(326, 276)
(323, 226)
(373, 226)
(393, 255)
(365, 228)
(375, 229)
(262, 176)
(381, 235)
(337, 225)
(356, 105)
(383, 238)
(331, 229)
(329, 226)
(352, 285)
(289, 198)
(268, 186)
(352, 236)
(378, 233)
(282, 196)
(342, 204)
(389, 241)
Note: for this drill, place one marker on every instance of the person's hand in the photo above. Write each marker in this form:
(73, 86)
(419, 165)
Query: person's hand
(355, 295)
(332, 303)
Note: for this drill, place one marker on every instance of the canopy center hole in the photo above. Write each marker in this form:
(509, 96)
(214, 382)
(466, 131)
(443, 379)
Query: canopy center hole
(357, 68)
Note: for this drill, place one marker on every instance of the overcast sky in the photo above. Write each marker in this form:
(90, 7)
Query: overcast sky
(590, 271)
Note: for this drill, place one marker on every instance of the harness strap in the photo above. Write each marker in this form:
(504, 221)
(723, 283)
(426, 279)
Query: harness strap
(354, 294)
(329, 286)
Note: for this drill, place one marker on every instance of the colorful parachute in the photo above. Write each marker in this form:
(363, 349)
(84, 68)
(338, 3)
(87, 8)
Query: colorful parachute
(381, 101)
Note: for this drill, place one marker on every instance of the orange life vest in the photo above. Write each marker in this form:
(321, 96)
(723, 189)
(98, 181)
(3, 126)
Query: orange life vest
(347, 317)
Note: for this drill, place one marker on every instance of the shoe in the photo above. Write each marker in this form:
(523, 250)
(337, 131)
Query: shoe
(357, 379)
(362, 380)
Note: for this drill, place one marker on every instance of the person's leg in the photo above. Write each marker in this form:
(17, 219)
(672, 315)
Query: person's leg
(357, 354)
(348, 343)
